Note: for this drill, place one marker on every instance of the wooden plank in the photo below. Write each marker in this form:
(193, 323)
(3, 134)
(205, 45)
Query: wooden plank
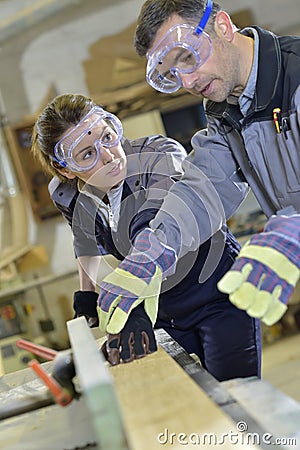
(160, 404)
(163, 407)
(216, 390)
(97, 387)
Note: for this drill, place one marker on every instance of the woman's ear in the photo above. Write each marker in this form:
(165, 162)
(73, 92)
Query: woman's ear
(63, 171)
(67, 173)
(224, 27)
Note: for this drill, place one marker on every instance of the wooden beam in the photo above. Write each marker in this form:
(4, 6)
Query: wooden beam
(164, 408)
(97, 387)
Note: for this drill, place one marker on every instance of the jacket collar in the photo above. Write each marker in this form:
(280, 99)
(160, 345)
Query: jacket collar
(269, 63)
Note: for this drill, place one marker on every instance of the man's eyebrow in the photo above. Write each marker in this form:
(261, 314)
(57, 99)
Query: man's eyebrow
(178, 56)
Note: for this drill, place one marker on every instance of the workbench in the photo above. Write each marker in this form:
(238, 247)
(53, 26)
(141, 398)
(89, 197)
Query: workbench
(166, 400)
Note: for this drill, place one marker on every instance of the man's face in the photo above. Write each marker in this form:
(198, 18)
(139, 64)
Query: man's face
(218, 77)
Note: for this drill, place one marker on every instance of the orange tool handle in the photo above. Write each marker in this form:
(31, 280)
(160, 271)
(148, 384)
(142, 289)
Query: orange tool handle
(36, 349)
(61, 395)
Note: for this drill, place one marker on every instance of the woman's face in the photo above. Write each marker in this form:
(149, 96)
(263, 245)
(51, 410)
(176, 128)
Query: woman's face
(95, 154)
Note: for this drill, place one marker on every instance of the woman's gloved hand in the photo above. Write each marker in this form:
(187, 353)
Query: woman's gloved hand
(136, 280)
(135, 340)
(85, 304)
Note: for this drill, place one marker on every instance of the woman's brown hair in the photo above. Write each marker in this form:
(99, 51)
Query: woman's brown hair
(63, 112)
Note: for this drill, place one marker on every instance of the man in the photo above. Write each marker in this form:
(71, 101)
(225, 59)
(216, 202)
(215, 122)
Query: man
(249, 80)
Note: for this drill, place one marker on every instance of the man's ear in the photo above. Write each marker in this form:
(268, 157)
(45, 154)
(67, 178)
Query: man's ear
(224, 27)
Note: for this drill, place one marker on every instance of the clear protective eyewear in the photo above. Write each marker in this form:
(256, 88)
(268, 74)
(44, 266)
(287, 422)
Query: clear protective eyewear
(80, 148)
(183, 49)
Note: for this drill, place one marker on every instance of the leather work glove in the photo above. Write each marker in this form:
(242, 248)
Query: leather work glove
(85, 304)
(135, 341)
(136, 280)
(266, 271)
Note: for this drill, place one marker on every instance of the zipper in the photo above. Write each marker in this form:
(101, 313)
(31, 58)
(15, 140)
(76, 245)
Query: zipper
(110, 217)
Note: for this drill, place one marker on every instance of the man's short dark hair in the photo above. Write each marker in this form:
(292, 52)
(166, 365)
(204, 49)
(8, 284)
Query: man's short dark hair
(155, 12)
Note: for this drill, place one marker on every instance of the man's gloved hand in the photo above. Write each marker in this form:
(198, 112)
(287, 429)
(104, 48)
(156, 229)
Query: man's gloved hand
(135, 341)
(137, 279)
(85, 304)
(266, 271)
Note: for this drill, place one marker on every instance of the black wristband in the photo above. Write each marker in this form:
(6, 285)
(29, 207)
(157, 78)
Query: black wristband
(85, 303)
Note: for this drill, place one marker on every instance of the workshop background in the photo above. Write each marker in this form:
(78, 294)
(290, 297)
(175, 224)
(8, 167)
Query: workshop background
(55, 46)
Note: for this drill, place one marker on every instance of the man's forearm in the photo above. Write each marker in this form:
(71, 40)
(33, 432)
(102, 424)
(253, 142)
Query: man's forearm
(191, 212)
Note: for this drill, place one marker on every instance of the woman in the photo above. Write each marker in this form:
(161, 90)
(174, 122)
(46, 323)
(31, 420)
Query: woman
(108, 189)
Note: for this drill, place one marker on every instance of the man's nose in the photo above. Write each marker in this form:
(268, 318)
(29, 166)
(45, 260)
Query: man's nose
(188, 80)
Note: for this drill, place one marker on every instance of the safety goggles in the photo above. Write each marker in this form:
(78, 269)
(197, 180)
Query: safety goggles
(80, 148)
(183, 49)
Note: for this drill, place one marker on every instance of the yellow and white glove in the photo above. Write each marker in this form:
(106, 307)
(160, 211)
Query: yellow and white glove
(136, 280)
(265, 273)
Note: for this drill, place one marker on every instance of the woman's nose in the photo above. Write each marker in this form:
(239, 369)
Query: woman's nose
(106, 155)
